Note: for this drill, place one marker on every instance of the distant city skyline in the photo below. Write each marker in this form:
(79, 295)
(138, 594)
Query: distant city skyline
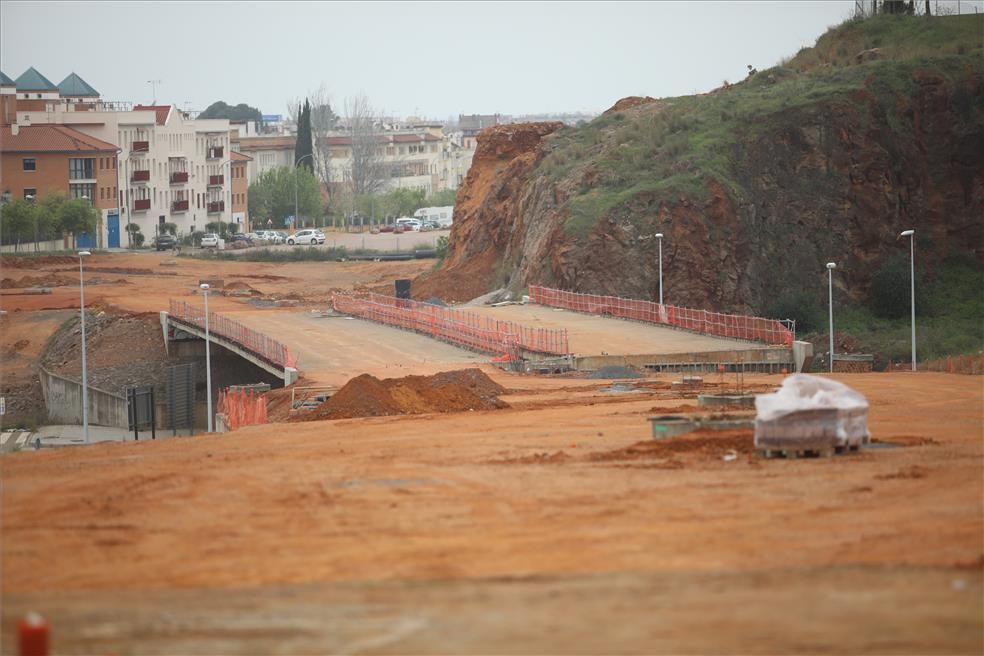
(432, 60)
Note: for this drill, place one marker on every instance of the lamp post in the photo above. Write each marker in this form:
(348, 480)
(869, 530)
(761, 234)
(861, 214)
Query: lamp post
(911, 234)
(85, 377)
(296, 162)
(659, 236)
(208, 360)
(34, 215)
(830, 300)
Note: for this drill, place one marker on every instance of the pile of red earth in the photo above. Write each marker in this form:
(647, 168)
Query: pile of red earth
(448, 391)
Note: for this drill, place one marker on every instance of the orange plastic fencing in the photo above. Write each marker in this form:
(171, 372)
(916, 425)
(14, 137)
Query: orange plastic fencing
(250, 339)
(972, 365)
(737, 326)
(466, 329)
(242, 408)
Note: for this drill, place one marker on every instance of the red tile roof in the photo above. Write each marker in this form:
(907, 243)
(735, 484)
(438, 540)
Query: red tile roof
(385, 139)
(50, 139)
(239, 157)
(161, 110)
(266, 143)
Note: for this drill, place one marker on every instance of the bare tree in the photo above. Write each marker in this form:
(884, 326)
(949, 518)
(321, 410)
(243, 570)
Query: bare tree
(367, 171)
(323, 122)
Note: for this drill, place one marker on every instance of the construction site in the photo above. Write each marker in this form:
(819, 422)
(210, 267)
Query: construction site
(442, 499)
(613, 415)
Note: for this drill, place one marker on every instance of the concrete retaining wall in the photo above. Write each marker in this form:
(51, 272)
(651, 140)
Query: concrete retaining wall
(778, 355)
(63, 399)
(28, 247)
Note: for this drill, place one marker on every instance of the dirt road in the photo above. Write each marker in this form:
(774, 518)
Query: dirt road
(529, 529)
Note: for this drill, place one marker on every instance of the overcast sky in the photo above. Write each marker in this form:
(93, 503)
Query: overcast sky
(426, 59)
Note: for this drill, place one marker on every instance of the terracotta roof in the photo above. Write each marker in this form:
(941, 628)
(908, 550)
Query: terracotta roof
(239, 157)
(266, 143)
(32, 80)
(161, 110)
(75, 87)
(50, 138)
(385, 139)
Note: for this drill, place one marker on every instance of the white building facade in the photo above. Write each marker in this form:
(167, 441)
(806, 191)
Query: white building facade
(170, 169)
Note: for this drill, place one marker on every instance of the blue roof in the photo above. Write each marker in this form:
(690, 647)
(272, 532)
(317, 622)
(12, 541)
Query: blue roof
(32, 80)
(74, 86)
(4, 80)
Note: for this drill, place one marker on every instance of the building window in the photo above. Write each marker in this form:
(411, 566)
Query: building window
(30, 164)
(82, 191)
(30, 193)
(80, 168)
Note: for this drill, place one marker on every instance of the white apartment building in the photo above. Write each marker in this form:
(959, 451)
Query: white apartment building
(171, 169)
(268, 152)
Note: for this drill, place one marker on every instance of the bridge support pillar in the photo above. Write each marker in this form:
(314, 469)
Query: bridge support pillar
(290, 376)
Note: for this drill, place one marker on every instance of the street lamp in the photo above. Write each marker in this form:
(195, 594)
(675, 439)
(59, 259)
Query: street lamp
(85, 377)
(296, 162)
(911, 234)
(830, 299)
(208, 360)
(659, 236)
(30, 198)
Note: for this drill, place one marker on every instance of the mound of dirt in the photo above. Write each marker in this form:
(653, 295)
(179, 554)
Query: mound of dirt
(629, 102)
(614, 372)
(32, 262)
(706, 443)
(34, 281)
(448, 391)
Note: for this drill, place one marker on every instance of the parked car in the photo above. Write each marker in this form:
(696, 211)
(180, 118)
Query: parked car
(210, 240)
(241, 238)
(386, 228)
(271, 236)
(283, 236)
(428, 225)
(165, 242)
(408, 224)
(308, 236)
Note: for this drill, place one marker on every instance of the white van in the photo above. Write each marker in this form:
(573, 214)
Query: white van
(440, 215)
(408, 223)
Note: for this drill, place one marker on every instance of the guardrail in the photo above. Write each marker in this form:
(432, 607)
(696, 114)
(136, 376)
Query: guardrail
(458, 327)
(737, 326)
(253, 340)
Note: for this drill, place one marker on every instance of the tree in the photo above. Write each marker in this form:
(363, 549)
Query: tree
(78, 216)
(241, 112)
(367, 173)
(272, 195)
(303, 151)
(890, 293)
(442, 198)
(17, 221)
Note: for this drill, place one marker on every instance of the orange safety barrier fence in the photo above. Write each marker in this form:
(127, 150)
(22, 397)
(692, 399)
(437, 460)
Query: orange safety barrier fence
(972, 365)
(242, 408)
(770, 331)
(467, 329)
(253, 340)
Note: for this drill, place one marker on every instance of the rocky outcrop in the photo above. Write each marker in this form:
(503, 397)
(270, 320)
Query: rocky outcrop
(835, 178)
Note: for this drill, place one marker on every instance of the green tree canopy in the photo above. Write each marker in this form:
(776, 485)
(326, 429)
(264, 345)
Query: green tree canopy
(241, 112)
(442, 198)
(78, 216)
(17, 221)
(272, 196)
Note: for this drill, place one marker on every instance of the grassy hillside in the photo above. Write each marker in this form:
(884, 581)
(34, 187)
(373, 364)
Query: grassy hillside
(673, 147)
(865, 79)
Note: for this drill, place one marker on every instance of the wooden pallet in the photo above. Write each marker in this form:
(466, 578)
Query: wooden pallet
(824, 452)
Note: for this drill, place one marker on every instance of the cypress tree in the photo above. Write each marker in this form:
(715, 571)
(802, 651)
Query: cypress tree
(304, 146)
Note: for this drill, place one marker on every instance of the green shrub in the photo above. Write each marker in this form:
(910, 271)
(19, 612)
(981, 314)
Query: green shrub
(889, 296)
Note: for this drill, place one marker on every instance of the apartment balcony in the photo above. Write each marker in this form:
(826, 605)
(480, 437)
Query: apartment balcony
(140, 176)
(179, 177)
(179, 206)
(217, 207)
(216, 152)
(141, 205)
(216, 180)
(140, 147)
